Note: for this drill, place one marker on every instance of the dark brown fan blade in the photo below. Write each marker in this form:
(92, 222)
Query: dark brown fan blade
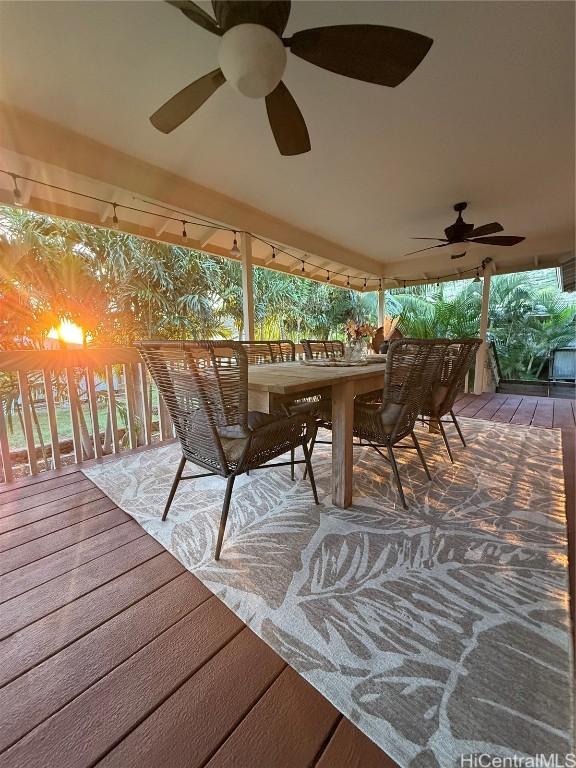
(287, 123)
(179, 108)
(442, 245)
(486, 229)
(381, 55)
(438, 239)
(196, 14)
(269, 13)
(498, 240)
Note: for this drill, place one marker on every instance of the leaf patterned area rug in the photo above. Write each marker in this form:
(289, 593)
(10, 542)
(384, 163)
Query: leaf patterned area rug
(441, 630)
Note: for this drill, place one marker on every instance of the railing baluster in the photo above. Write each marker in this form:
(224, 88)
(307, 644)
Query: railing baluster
(5, 447)
(166, 426)
(94, 412)
(74, 406)
(129, 387)
(52, 422)
(27, 417)
(142, 381)
(112, 408)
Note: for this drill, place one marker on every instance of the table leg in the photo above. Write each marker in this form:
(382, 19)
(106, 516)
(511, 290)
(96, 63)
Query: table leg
(260, 401)
(342, 436)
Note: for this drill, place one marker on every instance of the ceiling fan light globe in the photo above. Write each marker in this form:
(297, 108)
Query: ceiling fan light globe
(253, 59)
(457, 250)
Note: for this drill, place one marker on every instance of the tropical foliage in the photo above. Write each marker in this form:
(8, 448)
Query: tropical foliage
(528, 317)
(118, 287)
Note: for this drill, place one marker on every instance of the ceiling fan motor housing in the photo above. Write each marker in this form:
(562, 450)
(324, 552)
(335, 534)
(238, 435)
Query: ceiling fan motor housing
(253, 59)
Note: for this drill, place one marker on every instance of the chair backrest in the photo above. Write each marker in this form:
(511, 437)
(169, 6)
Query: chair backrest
(315, 349)
(412, 367)
(459, 358)
(269, 351)
(563, 364)
(205, 387)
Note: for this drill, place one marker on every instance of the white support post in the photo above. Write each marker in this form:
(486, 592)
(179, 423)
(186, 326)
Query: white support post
(381, 307)
(482, 354)
(247, 285)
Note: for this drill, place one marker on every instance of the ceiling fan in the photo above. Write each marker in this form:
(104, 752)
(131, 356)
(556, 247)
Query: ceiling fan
(459, 234)
(252, 58)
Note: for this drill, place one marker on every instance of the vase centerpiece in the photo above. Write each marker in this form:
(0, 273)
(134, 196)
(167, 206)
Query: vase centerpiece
(357, 334)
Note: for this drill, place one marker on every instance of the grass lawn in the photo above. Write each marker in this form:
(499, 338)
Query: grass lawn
(17, 440)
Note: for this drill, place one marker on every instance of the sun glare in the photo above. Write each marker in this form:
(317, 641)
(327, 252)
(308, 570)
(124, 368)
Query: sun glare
(68, 332)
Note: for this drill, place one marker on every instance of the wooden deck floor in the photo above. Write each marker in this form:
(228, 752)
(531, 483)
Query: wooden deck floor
(519, 409)
(112, 654)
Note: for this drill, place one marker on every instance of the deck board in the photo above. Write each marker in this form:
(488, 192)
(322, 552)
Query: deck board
(46, 688)
(20, 611)
(33, 644)
(121, 658)
(39, 528)
(29, 552)
(57, 564)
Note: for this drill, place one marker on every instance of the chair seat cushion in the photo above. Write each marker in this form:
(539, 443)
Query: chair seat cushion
(234, 444)
(256, 419)
(386, 417)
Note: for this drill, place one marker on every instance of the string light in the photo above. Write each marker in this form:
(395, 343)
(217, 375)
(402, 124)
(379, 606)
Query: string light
(199, 222)
(16, 193)
(235, 251)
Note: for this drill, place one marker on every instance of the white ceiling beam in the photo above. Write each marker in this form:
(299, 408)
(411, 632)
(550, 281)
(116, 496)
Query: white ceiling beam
(161, 228)
(206, 235)
(105, 213)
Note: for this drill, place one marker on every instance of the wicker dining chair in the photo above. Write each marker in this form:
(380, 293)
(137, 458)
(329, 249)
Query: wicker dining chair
(269, 351)
(412, 366)
(205, 387)
(315, 349)
(459, 357)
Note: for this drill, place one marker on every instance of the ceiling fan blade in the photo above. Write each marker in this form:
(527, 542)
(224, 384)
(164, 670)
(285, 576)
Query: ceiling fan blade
(179, 108)
(498, 240)
(438, 239)
(287, 123)
(196, 14)
(442, 245)
(269, 13)
(487, 229)
(375, 54)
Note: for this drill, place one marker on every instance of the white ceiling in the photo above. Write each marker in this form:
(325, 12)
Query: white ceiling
(488, 117)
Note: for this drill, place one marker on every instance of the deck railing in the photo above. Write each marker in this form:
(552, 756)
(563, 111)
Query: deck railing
(66, 406)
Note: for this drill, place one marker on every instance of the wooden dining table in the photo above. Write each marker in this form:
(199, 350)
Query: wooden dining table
(268, 383)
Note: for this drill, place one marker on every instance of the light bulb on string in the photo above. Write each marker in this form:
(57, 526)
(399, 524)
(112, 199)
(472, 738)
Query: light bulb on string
(477, 278)
(380, 283)
(303, 269)
(327, 275)
(273, 252)
(184, 233)
(235, 251)
(114, 217)
(364, 283)
(348, 282)
(16, 193)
